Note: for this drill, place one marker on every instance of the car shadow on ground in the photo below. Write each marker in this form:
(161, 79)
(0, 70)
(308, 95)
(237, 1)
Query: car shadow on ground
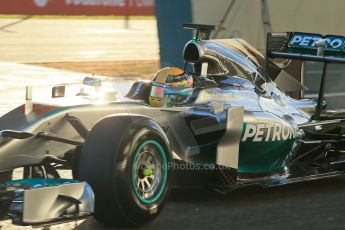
(316, 204)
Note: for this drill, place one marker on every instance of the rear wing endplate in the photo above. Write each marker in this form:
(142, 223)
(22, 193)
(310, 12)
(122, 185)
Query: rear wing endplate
(306, 47)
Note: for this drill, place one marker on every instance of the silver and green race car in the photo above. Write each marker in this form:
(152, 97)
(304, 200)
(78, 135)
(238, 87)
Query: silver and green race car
(235, 127)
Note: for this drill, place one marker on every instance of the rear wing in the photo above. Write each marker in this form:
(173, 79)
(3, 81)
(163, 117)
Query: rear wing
(306, 47)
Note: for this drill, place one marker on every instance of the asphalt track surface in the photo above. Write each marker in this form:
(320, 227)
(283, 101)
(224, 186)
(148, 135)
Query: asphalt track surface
(312, 205)
(14, 77)
(51, 40)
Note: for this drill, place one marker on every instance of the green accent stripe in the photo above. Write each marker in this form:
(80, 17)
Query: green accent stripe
(165, 172)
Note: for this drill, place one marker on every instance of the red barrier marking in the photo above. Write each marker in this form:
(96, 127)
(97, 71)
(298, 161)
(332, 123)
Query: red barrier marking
(77, 7)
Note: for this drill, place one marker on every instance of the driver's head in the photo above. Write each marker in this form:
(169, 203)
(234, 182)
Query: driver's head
(169, 76)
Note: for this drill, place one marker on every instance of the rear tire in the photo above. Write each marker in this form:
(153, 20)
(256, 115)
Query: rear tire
(125, 160)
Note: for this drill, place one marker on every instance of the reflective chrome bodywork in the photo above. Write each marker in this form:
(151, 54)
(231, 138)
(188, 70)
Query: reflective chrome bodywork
(202, 113)
(263, 136)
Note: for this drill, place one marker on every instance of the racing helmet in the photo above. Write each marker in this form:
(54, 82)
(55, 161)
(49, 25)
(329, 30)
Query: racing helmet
(168, 77)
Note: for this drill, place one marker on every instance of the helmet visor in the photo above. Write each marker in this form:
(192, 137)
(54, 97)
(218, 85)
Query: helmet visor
(157, 91)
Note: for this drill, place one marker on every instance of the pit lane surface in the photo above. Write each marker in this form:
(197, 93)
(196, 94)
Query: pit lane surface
(59, 40)
(312, 205)
(15, 77)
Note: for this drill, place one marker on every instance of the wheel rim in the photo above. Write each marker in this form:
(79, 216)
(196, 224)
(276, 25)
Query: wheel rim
(149, 172)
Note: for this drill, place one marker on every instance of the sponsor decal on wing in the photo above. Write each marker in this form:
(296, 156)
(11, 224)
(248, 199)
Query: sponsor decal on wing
(305, 40)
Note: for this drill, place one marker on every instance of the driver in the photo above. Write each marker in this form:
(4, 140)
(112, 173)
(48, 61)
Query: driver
(168, 77)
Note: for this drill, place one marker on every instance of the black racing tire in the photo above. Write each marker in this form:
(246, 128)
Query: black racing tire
(109, 162)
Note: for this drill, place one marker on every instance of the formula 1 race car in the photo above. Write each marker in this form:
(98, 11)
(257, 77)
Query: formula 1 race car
(225, 117)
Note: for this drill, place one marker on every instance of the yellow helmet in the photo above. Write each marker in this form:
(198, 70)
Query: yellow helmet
(169, 76)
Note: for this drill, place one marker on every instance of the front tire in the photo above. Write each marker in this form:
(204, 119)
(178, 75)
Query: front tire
(125, 159)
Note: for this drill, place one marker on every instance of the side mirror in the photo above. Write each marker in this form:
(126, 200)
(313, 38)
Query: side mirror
(91, 81)
(58, 91)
